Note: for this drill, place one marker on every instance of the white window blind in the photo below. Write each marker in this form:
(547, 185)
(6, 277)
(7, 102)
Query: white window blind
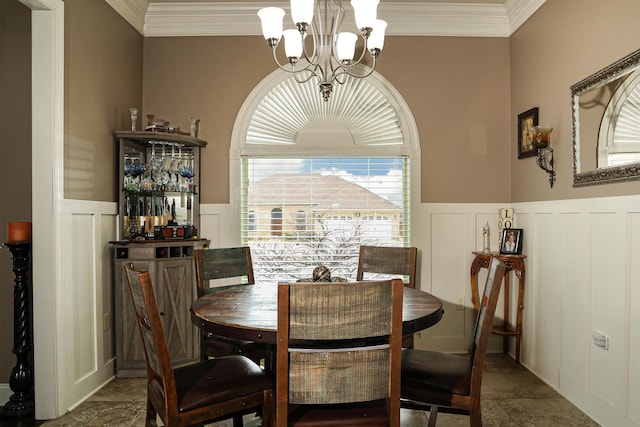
(302, 212)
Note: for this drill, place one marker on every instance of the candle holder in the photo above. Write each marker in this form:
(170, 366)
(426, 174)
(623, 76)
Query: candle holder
(541, 139)
(21, 403)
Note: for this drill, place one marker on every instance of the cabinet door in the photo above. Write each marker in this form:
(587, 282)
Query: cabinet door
(175, 287)
(130, 358)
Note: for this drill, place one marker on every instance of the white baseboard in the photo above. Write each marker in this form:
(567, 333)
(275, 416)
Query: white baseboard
(5, 393)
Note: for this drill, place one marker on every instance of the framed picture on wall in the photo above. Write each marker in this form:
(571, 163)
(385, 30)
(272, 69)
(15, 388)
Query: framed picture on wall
(526, 121)
(511, 243)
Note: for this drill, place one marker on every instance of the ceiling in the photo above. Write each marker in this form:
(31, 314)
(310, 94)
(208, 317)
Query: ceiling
(457, 18)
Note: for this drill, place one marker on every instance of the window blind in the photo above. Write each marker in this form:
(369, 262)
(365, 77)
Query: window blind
(302, 212)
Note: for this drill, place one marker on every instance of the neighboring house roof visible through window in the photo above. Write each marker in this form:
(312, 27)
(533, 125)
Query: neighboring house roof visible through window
(326, 192)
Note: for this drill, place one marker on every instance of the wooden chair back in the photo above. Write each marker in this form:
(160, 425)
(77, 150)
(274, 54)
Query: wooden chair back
(192, 394)
(153, 338)
(432, 379)
(383, 262)
(389, 261)
(223, 266)
(339, 343)
(147, 315)
(484, 322)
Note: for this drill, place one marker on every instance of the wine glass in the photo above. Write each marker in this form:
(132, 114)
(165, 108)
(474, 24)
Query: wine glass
(162, 176)
(148, 180)
(139, 170)
(173, 169)
(128, 167)
(186, 171)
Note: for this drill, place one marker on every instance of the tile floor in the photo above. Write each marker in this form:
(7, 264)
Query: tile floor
(511, 396)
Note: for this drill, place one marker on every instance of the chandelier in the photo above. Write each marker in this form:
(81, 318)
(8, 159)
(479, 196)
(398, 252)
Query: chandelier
(332, 52)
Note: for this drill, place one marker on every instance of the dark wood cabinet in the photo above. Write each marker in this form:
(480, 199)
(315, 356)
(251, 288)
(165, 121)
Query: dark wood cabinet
(159, 213)
(172, 271)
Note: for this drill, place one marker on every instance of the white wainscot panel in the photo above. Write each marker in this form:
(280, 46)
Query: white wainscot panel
(543, 299)
(576, 302)
(220, 225)
(82, 295)
(87, 292)
(609, 247)
(450, 279)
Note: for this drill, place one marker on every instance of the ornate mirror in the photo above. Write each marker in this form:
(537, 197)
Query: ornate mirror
(606, 124)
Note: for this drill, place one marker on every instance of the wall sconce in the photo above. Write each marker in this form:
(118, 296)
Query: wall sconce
(541, 138)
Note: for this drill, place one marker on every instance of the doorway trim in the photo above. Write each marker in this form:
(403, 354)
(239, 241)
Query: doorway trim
(47, 65)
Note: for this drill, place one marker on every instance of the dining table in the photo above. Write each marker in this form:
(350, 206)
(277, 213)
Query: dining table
(250, 312)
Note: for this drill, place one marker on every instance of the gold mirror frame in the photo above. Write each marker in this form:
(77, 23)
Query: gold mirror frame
(607, 76)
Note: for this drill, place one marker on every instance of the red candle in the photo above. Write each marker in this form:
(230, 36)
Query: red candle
(18, 232)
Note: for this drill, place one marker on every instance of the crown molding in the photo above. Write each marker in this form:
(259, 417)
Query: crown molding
(404, 18)
(519, 11)
(133, 11)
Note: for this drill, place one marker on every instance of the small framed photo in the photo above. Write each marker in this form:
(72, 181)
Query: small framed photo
(511, 243)
(526, 121)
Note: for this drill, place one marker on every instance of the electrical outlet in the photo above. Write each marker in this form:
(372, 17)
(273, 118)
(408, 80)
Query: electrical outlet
(600, 340)
(106, 322)
(460, 305)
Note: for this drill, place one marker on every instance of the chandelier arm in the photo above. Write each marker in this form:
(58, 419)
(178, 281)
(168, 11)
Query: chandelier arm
(292, 70)
(305, 55)
(312, 74)
(353, 64)
(337, 21)
(336, 77)
(344, 69)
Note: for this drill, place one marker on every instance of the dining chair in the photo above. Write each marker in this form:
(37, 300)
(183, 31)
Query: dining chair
(338, 354)
(382, 262)
(215, 389)
(432, 379)
(225, 267)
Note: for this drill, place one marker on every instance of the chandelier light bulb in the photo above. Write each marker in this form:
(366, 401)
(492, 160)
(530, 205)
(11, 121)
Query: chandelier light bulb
(302, 11)
(376, 39)
(292, 44)
(271, 18)
(346, 46)
(366, 12)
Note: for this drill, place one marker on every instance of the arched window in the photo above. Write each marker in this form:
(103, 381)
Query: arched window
(619, 136)
(328, 176)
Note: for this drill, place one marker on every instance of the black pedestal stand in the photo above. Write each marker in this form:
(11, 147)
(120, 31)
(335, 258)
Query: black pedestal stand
(21, 404)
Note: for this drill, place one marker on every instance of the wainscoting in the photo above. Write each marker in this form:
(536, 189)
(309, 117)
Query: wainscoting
(582, 276)
(87, 314)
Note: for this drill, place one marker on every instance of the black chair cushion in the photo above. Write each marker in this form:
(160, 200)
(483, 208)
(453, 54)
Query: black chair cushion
(369, 414)
(215, 381)
(434, 371)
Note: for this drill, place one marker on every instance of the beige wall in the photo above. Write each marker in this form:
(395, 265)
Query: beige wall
(103, 79)
(457, 88)
(208, 78)
(564, 42)
(15, 154)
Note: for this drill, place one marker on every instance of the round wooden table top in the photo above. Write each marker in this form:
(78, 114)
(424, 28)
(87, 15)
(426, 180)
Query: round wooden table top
(250, 312)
